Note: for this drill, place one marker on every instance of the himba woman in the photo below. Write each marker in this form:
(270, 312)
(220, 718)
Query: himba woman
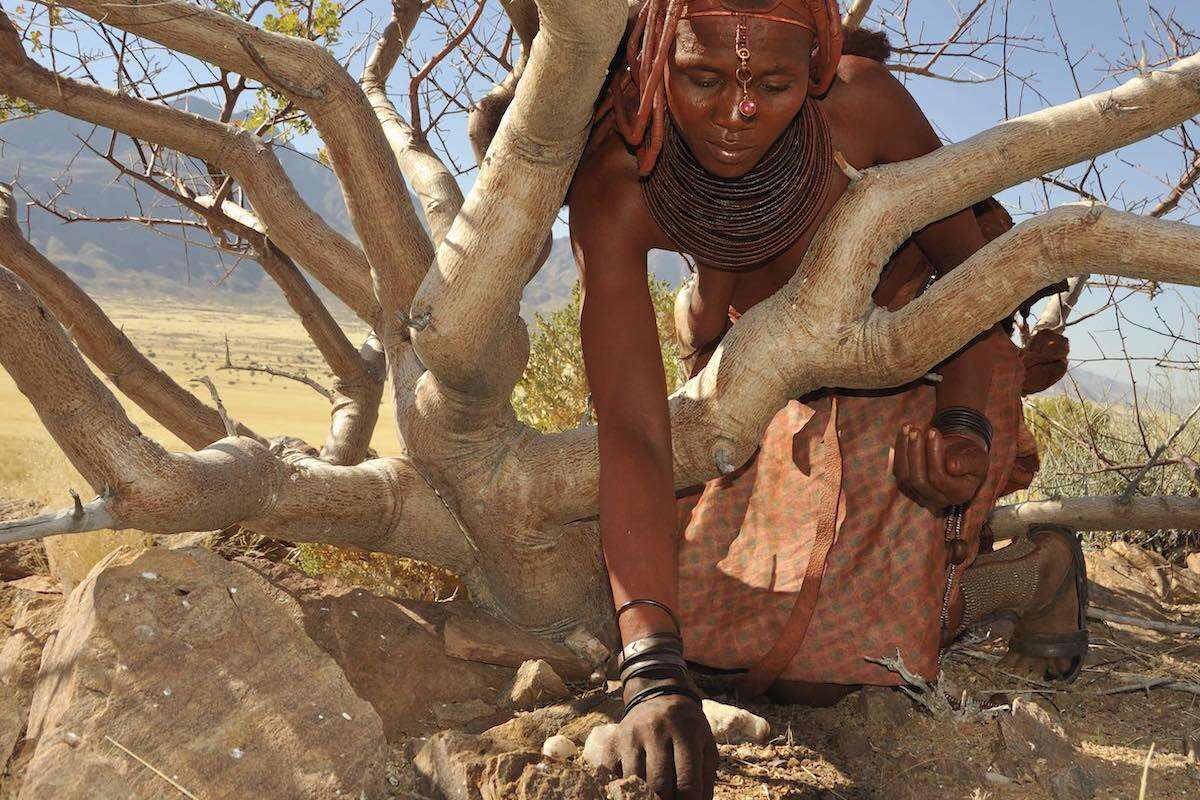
(854, 532)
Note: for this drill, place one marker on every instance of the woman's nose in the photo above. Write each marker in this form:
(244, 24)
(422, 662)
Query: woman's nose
(726, 114)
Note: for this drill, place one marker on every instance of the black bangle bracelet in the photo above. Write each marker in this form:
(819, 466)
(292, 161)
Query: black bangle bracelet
(961, 419)
(658, 691)
(661, 668)
(645, 601)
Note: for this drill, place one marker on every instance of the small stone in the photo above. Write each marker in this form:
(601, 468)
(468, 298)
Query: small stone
(560, 748)
(237, 753)
(596, 746)
(997, 779)
(631, 788)
(536, 684)
(1193, 562)
(150, 576)
(733, 725)
(346, 716)
(587, 646)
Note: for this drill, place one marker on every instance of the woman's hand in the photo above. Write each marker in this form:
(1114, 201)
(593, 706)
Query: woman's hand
(666, 741)
(938, 470)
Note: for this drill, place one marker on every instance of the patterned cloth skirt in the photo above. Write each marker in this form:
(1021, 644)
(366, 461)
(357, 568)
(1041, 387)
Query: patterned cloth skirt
(746, 539)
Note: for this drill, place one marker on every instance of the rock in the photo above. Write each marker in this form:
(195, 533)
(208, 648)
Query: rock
(453, 764)
(733, 725)
(577, 730)
(22, 559)
(1036, 743)
(631, 788)
(459, 714)
(34, 618)
(883, 708)
(502, 773)
(851, 744)
(1115, 585)
(573, 719)
(1193, 563)
(188, 662)
(536, 684)
(459, 766)
(1191, 746)
(588, 647)
(552, 780)
(382, 644)
(475, 637)
(560, 748)
(596, 746)
(1150, 567)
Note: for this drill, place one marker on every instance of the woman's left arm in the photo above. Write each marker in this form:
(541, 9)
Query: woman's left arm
(937, 470)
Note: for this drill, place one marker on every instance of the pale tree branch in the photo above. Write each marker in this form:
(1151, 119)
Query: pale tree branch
(294, 226)
(857, 12)
(382, 505)
(1097, 514)
(484, 117)
(439, 193)
(1058, 310)
(155, 392)
(1042, 251)
(475, 344)
(310, 76)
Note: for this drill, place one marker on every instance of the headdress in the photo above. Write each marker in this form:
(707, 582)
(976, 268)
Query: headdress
(653, 35)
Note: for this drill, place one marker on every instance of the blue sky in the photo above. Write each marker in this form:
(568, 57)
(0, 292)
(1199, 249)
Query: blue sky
(1097, 34)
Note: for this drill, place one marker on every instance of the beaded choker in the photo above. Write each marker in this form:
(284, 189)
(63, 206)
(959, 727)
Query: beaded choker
(740, 224)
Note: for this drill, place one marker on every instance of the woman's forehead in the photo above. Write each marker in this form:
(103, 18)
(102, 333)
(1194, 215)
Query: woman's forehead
(711, 39)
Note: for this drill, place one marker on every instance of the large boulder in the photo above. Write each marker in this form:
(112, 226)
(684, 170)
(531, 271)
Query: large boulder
(177, 669)
(391, 651)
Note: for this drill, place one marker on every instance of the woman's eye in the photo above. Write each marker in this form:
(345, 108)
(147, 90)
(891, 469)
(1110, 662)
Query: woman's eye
(705, 83)
(776, 87)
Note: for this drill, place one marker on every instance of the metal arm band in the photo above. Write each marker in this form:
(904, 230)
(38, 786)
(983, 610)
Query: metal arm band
(962, 419)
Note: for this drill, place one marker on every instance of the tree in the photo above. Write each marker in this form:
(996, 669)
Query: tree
(508, 509)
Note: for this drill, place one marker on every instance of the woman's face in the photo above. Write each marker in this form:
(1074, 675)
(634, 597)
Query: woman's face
(703, 91)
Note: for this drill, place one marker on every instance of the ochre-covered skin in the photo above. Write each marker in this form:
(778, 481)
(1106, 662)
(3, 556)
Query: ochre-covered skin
(873, 120)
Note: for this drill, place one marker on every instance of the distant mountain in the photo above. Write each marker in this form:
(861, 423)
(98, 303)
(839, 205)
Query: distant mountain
(46, 154)
(1092, 386)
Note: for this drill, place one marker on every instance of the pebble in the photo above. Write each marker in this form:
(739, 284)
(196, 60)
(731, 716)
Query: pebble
(560, 748)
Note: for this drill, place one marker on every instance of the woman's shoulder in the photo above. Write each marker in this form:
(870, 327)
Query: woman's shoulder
(606, 188)
(869, 100)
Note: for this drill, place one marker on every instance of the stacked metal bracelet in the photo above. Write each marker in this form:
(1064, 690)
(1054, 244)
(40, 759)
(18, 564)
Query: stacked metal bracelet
(960, 419)
(659, 655)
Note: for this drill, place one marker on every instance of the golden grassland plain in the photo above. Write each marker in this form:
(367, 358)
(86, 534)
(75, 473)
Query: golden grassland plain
(186, 341)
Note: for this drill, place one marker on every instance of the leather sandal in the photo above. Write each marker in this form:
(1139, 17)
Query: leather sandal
(1072, 645)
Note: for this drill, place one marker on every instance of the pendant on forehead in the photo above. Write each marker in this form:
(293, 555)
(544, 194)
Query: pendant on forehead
(746, 105)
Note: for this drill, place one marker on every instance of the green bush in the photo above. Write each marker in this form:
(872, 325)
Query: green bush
(552, 394)
(1091, 450)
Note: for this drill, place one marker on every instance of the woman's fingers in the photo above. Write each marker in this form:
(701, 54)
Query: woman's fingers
(690, 763)
(918, 470)
(955, 488)
(660, 767)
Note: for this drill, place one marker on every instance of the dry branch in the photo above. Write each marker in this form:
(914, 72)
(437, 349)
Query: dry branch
(439, 193)
(1098, 514)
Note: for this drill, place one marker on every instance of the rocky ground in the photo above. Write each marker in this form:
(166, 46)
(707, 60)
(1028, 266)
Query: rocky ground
(180, 673)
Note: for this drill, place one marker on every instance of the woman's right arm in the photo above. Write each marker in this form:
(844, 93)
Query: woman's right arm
(666, 739)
